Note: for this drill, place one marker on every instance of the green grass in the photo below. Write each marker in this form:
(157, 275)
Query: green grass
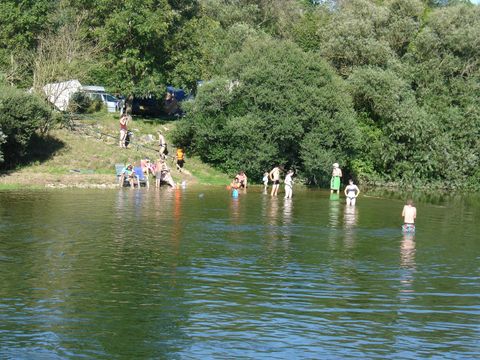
(95, 150)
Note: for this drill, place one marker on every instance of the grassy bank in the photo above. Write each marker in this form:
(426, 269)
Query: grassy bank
(86, 157)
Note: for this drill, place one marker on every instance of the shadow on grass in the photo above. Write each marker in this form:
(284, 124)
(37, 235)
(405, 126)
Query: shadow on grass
(40, 149)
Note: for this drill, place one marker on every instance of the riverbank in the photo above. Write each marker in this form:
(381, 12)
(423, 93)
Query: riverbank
(86, 156)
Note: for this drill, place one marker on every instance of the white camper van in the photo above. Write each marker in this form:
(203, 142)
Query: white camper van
(98, 93)
(60, 93)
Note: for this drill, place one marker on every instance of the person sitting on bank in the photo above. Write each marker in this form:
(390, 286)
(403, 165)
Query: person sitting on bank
(129, 174)
(351, 192)
(147, 167)
(335, 181)
(409, 214)
(242, 179)
(162, 173)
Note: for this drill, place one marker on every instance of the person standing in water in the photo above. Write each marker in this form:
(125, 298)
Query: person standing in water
(409, 215)
(351, 192)
(289, 184)
(265, 181)
(335, 181)
(274, 176)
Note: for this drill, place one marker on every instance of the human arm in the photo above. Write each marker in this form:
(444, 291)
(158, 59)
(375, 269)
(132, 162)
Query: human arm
(358, 191)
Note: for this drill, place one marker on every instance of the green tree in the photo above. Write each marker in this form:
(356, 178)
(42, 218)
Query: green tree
(133, 37)
(278, 105)
(22, 115)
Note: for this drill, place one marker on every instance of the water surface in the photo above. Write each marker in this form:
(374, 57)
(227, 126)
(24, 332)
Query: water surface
(195, 274)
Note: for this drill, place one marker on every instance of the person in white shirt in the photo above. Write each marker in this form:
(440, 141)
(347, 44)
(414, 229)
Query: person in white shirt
(289, 184)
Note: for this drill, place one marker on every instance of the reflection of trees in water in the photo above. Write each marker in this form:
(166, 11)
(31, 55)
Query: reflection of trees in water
(108, 293)
(278, 227)
(143, 298)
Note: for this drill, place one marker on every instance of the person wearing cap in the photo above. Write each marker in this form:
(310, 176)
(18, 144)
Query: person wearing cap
(335, 181)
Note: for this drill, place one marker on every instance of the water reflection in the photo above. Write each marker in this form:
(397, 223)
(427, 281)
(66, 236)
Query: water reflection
(350, 218)
(408, 267)
(287, 221)
(333, 218)
(84, 277)
(407, 251)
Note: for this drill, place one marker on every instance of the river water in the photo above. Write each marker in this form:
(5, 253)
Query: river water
(195, 274)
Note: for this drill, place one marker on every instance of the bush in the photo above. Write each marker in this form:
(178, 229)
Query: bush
(79, 103)
(278, 105)
(21, 115)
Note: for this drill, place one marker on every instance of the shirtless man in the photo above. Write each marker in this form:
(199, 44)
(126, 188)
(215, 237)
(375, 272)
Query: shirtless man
(242, 179)
(409, 215)
(274, 176)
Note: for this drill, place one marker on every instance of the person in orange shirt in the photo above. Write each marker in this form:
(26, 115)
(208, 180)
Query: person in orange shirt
(180, 159)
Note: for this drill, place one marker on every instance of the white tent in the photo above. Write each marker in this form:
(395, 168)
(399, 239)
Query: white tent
(59, 93)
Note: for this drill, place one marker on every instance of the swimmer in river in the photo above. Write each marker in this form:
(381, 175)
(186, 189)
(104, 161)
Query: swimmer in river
(409, 215)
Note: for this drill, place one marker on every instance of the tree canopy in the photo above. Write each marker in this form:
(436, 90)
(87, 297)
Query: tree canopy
(389, 89)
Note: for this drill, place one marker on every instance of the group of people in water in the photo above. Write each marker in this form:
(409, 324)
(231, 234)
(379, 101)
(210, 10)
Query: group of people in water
(351, 191)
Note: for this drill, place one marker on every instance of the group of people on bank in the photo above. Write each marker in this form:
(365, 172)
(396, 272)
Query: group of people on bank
(134, 175)
(159, 169)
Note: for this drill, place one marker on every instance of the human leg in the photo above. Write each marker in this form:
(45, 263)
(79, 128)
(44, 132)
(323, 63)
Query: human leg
(123, 135)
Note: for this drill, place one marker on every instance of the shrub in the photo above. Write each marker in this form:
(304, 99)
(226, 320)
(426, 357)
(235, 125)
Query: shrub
(79, 103)
(278, 105)
(21, 114)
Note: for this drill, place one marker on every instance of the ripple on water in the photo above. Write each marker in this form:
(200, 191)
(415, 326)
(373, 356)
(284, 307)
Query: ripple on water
(147, 274)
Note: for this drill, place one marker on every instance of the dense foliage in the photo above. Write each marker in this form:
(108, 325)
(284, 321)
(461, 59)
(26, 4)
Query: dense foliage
(387, 88)
(286, 107)
(22, 115)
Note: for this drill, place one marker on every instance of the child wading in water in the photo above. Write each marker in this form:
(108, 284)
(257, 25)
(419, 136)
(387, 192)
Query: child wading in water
(265, 181)
(409, 215)
(289, 184)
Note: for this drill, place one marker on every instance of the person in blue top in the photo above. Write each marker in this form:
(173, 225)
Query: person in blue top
(129, 174)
